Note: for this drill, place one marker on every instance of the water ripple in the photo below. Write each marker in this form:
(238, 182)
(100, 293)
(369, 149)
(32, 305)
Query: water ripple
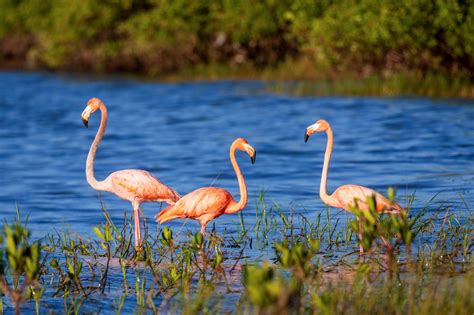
(182, 133)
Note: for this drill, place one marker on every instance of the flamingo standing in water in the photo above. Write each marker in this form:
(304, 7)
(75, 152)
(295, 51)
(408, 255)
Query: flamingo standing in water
(136, 186)
(208, 203)
(345, 196)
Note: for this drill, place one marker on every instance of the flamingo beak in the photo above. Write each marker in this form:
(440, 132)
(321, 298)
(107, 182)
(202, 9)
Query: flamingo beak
(251, 152)
(85, 116)
(306, 136)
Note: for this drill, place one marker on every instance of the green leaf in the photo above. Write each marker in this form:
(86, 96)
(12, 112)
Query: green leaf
(391, 194)
(98, 232)
(70, 268)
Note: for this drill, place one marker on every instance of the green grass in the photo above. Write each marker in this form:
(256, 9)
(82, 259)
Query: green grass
(401, 84)
(307, 266)
(302, 79)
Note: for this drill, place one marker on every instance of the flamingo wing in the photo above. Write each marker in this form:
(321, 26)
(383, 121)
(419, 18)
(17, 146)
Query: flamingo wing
(203, 204)
(346, 195)
(138, 184)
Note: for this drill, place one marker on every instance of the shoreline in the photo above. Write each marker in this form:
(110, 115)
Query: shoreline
(279, 80)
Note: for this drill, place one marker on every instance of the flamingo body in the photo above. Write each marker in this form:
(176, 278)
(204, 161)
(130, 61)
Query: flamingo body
(136, 186)
(141, 186)
(203, 205)
(347, 196)
(208, 203)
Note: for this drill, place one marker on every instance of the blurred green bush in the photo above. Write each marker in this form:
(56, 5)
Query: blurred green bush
(156, 37)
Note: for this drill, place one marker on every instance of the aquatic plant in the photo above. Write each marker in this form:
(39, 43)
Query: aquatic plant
(303, 264)
(19, 265)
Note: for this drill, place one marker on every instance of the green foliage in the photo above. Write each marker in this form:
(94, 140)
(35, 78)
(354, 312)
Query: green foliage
(104, 234)
(197, 242)
(20, 262)
(297, 257)
(393, 230)
(391, 35)
(314, 270)
(22, 257)
(265, 287)
(330, 38)
(23, 16)
(167, 237)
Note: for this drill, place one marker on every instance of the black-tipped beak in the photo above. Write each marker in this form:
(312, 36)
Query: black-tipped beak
(253, 157)
(306, 136)
(85, 122)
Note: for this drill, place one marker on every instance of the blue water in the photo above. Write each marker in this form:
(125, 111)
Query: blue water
(181, 132)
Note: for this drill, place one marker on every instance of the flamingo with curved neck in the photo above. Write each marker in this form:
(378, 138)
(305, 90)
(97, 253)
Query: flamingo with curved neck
(206, 204)
(136, 186)
(346, 196)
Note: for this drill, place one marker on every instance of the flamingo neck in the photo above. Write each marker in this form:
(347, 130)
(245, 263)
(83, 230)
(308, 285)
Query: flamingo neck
(98, 185)
(324, 176)
(237, 206)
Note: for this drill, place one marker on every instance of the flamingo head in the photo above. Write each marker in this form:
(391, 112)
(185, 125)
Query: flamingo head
(243, 145)
(93, 105)
(319, 126)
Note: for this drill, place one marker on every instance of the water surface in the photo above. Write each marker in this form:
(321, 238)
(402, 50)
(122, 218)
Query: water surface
(182, 132)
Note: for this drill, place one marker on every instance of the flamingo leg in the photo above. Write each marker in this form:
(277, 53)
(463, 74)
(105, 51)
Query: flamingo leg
(203, 229)
(386, 243)
(136, 219)
(361, 248)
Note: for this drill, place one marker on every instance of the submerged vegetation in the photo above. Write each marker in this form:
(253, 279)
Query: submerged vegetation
(416, 264)
(399, 45)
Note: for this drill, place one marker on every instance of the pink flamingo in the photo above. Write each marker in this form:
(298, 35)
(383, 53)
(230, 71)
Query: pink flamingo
(345, 196)
(206, 204)
(136, 186)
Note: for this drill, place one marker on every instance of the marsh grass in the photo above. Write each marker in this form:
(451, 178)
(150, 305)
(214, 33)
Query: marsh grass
(415, 263)
(307, 80)
(398, 84)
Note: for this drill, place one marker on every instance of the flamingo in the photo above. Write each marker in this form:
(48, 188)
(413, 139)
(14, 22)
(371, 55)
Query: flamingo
(136, 186)
(344, 197)
(208, 203)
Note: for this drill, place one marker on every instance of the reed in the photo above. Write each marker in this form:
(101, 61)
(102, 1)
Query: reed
(415, 263)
